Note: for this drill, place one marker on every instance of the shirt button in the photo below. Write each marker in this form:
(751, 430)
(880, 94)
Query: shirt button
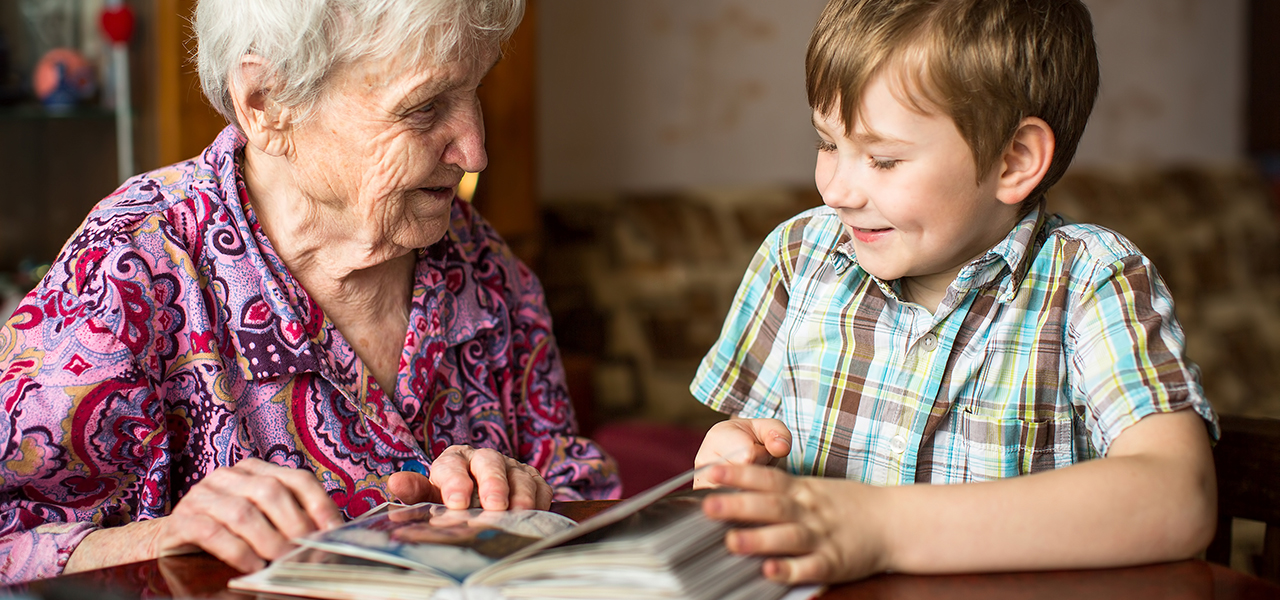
(929, 342)
(898, 444)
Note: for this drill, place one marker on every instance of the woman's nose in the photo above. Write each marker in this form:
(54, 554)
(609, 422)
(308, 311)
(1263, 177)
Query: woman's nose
(466, 149)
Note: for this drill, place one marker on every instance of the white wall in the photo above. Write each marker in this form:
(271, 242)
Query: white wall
(1173, 82)
(647, 95)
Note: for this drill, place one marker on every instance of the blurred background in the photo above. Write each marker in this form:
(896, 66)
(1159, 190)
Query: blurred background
(640, 150)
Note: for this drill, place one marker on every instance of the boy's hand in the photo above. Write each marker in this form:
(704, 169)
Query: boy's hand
(812, 530)
(742, 441)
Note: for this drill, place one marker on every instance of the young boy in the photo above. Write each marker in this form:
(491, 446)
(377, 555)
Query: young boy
(932, 324)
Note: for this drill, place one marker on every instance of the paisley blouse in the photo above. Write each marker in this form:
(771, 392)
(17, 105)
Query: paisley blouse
(168, 339)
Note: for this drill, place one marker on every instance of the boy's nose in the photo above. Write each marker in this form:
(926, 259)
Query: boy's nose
(839, 189)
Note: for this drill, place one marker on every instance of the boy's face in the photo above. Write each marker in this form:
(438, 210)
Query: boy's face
(904, 185)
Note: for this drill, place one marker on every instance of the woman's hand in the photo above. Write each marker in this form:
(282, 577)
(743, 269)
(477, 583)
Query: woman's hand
(245, 515)
(462, 477)
(743, 442)
(813, 530)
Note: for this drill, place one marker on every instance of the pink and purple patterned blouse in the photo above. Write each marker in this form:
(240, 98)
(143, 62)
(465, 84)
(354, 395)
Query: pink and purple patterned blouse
(168, 339)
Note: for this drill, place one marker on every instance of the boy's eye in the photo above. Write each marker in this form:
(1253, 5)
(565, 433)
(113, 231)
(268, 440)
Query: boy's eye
(825, 146)
(883, 164)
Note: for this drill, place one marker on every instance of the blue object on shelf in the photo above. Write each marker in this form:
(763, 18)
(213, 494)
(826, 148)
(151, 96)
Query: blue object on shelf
(64, 97)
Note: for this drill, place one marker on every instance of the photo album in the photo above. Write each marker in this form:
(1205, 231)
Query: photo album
(658, 544)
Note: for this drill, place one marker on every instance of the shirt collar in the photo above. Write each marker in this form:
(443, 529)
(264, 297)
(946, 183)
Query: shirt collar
(272, 321)
(1007, 262)
(1010, 258)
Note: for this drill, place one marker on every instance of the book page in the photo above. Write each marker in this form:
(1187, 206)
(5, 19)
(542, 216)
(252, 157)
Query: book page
(614, 514)
(432, 538)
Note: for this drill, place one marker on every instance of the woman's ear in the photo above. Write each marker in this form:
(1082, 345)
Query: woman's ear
(1025, 161)
(264, 121)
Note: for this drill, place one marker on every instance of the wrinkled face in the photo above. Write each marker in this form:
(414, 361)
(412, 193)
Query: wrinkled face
(387, 145)
(905, 186)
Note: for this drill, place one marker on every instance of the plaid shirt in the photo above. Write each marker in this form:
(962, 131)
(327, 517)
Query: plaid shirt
(1043, 351)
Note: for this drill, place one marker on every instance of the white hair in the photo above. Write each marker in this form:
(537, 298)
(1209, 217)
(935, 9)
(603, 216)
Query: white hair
(303, 41)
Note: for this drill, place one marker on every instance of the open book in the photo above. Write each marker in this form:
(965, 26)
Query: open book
(655, 545)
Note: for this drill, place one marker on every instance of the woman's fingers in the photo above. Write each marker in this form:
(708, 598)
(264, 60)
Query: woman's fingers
(489, 468)
(248, 513)
(461, 472)
(213, 537)
(498, 482)
(292, 501)
(305, 490)
(410, 487)
(545, 495)
(451, 474)
(235, 513)
(528, 490)
(245, 520)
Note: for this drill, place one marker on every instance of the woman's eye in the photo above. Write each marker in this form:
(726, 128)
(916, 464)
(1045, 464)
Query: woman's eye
(427, 108)
(825, 146)
(883, 164)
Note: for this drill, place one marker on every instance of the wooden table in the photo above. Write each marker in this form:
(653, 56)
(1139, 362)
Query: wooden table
(202, 576)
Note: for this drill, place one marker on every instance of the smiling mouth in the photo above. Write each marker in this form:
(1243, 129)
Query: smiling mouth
(867, 236)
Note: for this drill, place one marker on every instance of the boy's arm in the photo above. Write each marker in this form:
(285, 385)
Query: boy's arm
(1152, 499)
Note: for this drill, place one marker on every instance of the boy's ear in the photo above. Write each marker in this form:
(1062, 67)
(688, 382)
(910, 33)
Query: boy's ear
(264, 121)
(1025, 161)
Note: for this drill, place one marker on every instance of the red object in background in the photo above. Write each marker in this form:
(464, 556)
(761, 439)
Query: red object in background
(648, 453)
(118, 23)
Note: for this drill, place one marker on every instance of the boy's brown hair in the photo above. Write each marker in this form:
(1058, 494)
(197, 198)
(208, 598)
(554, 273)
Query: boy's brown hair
(985, 63)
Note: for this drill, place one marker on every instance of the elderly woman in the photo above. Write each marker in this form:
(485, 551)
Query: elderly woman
(297, 325)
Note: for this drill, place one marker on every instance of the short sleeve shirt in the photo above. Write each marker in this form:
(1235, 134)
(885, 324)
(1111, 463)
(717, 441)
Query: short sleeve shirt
(168, 339)
(1043, 350)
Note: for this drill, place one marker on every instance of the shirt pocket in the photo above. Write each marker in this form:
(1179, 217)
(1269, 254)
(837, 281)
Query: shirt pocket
(997, 448)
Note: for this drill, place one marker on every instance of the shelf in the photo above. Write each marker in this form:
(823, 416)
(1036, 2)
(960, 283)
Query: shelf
(34, 112)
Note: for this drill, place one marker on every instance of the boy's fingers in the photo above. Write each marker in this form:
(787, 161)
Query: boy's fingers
(793, 570)
(749, 477)
(751, 507)
(783, 539)
(773, 435)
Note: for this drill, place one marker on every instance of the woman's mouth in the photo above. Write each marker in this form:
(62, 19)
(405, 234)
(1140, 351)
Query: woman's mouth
(439, 191)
